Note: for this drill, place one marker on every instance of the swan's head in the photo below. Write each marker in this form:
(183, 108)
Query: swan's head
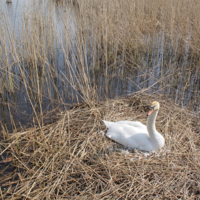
(154, 106)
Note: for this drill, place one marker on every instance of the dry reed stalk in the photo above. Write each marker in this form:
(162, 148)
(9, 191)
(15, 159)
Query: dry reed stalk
(70, 158)
(100, 43)
(79, 162)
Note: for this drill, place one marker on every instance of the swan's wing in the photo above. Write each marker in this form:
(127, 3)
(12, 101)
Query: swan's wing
(130, 136)
(132, 123)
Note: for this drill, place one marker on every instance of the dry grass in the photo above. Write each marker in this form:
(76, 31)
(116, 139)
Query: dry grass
(154, 47)
(78, 49)
(72, 159)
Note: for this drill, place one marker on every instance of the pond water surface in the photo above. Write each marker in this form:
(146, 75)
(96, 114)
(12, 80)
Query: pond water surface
(155, 72)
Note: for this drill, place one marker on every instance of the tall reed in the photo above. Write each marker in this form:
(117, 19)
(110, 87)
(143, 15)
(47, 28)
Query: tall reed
(82, 50)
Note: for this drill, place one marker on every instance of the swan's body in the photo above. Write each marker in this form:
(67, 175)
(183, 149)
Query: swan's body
(135, 135)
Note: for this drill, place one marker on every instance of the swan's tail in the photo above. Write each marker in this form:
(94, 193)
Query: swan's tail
(108, 124)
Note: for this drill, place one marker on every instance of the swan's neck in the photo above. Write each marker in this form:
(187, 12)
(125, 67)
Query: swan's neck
(151, 123)
(156, 138)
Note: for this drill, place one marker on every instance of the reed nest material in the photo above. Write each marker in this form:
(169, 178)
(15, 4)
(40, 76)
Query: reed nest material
(71, 158)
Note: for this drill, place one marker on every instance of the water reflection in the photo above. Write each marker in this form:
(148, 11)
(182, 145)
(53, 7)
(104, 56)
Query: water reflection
(48, 80)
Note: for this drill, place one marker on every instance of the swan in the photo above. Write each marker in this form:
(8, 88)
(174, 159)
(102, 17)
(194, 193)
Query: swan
(135, 135)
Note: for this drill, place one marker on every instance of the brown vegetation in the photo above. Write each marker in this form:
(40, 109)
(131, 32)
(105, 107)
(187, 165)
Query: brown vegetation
(72, 159)
(107, 46)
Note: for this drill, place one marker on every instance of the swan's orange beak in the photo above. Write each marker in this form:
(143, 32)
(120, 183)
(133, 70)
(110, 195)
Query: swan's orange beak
(150, 111)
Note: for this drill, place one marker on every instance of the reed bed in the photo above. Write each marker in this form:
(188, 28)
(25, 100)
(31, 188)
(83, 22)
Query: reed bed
(73, 159)
(63, 53)
(92, 51)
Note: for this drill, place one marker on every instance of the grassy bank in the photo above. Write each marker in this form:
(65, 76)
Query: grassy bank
(72, 159)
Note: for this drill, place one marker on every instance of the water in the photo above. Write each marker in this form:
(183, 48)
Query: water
(157, 71)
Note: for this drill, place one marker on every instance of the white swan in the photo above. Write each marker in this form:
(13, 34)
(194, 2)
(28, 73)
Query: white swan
(135, 135)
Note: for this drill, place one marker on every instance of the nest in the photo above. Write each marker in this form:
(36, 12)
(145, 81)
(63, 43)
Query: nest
(71, 158)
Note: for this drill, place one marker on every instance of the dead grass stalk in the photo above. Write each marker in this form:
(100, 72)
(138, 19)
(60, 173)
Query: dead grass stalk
(77, 161)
